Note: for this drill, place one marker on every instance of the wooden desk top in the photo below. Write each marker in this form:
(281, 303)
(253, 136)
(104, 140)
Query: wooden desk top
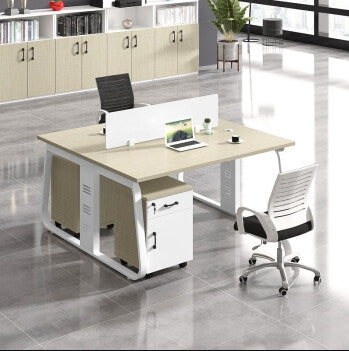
(151, 159)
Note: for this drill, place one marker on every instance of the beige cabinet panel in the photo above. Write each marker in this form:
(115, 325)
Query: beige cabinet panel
(166, 52)
(13, 72)
(41, 68)
(119, 53)
(94, 59)
(143, 53)
(65, 195)
(68, 64)
(188, 48)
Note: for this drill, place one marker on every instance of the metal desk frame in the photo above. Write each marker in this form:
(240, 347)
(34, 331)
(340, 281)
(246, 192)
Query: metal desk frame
(90, 201)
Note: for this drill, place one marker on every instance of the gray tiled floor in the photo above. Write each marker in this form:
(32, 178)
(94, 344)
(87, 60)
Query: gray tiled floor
(52, 296)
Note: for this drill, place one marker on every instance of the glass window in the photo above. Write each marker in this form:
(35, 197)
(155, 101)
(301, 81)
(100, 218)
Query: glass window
(339, 4)
(293, 20)
(334, 26)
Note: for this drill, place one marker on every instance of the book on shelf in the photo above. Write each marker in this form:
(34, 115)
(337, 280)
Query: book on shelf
(174, 15)
(79, 24)
(17, 31)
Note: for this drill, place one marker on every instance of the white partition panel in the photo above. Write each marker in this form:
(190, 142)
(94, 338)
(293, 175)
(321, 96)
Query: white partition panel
(148, 123)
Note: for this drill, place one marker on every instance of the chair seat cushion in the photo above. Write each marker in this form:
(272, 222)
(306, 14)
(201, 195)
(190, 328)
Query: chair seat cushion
(253, 226)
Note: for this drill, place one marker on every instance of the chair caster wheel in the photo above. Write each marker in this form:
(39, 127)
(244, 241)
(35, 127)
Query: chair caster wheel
(182, 265)
(124, 263)
(243, 279)
(317, 279)
(110, 226)
(58, 225)
(283, 291)
(295, 259)
(252, 261)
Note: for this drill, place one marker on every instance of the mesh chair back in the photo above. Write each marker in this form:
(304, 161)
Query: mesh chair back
(288, 203)
(115, 92)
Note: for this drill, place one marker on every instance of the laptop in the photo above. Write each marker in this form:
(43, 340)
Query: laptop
(180, 136)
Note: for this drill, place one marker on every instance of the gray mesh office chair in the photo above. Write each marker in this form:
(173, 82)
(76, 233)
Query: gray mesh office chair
(116, 94)
(288, 216)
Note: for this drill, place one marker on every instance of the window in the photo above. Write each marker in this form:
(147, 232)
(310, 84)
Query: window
(323, 22)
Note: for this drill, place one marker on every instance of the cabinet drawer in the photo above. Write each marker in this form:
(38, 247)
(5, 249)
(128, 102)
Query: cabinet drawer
(169, 240)
(169, 204)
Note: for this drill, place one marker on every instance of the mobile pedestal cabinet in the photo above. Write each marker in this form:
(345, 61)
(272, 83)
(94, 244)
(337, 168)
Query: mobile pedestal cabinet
(168, 221)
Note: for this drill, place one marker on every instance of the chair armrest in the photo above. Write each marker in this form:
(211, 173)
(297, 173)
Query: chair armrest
(100, 115)
(263, 218)
(141, 104)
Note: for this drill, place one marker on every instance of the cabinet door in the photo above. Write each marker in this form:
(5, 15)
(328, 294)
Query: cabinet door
(13, 71)
(68, 64)
(165, 52)
(173, 241)
(94, 59)
(188, 48)
(143, 53)
(41, 68)
(119, 53)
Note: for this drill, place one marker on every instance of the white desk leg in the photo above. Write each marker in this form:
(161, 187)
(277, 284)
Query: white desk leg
(45, 215)
(89, 209)
(230, 186)
(140, 230)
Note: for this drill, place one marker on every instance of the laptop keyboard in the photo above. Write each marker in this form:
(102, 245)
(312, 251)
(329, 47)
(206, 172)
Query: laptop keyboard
(188, 143)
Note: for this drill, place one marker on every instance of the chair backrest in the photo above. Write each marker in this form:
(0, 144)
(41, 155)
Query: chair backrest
(288, 202)
(115, 92)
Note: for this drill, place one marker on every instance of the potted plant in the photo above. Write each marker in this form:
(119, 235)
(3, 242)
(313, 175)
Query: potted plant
(56, 5)
(230, 18)
(207, 126)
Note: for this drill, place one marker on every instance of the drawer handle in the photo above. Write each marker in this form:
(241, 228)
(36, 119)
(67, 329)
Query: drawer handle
(154, 246)
(170, 205)
(154, 206)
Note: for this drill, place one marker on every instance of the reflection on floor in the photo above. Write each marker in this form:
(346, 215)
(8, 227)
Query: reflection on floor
(53, 296)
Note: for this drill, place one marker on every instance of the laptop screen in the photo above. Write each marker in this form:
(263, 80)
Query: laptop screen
(179, 130)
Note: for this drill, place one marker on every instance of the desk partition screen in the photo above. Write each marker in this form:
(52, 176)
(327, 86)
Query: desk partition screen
(148, 123)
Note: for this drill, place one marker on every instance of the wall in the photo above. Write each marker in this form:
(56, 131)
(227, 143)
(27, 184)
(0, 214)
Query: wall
(208, 35)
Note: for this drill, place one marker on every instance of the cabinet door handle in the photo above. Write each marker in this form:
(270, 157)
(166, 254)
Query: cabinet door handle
(86, 47)
(136, 44)
(78, 47)
(23, 57)
(128, 42)
(181, 32)
(154, 246)
(174, 36)
(33, 53)
(170, 205)
(154, 207)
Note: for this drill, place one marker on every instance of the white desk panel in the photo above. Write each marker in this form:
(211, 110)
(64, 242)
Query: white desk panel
(148, 123)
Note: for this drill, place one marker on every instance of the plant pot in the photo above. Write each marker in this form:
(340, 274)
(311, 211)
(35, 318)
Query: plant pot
(231, 50)
(208, 128)
(56, 6)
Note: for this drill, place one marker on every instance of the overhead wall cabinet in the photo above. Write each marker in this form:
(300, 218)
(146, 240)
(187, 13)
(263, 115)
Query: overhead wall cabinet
(163, 42)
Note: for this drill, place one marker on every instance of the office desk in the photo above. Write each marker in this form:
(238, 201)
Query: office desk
(149, 160)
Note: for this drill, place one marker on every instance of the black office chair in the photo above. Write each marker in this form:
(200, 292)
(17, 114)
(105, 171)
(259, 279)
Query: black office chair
(116, 94)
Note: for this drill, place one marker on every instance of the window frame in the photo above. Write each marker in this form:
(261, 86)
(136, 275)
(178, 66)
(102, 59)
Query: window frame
(302, 37)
